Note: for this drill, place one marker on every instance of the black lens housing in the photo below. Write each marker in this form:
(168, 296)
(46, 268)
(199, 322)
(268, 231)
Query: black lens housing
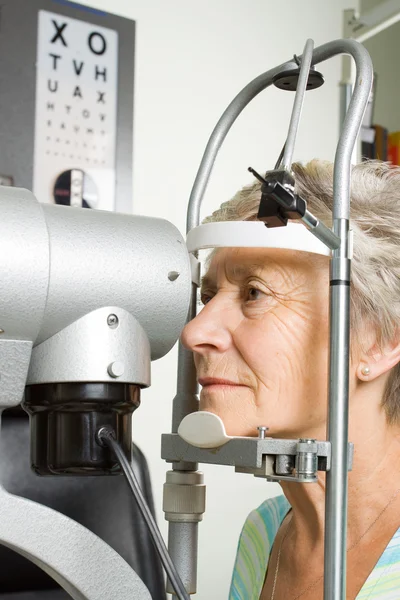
(64, 419)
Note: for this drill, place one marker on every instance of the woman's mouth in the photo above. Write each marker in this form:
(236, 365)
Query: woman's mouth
(209, 383)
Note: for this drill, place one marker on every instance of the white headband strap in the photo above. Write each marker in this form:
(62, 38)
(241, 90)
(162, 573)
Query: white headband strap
(254, 234)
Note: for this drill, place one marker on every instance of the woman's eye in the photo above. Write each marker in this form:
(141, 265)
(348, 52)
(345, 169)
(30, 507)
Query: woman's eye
(253, 294)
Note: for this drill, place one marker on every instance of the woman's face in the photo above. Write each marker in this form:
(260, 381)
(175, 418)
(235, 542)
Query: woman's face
(260, 343)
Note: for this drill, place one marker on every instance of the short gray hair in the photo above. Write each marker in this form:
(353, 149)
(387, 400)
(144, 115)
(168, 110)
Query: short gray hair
(375, 220)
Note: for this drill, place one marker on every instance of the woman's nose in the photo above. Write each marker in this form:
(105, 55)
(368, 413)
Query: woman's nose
(209, 331)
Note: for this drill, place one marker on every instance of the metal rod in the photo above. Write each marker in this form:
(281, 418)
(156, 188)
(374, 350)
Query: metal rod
(278, 164)
(351, 128)
(298, 105)
(345, 96)
(186, 400)
(183, 548)
(321, 231)
(181, 537)
(337, 429)
(336, 511)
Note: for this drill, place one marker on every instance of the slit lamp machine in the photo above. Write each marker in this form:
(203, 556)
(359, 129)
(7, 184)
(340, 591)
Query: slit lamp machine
(76, 345)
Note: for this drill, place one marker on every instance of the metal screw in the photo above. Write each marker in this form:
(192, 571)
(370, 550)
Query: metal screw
(112, 321)
(261, 431)
(1, 331)
(173, 275)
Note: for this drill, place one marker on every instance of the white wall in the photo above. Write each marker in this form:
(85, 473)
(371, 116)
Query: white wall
(191, 59)
(367, 5)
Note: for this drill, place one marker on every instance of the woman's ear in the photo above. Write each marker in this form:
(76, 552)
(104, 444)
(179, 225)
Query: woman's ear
(378, 360)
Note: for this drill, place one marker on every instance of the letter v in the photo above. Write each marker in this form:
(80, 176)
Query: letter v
(78, 68)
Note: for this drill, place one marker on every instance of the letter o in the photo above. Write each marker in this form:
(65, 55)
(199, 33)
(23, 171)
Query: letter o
(96, 34)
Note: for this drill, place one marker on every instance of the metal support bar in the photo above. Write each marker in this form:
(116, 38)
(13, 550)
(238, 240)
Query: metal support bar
(346, 84)
(321, 231)
(184, 504)
(186, 400)
(297, 105)
(242, 452)
(238, 452)
(346, 89)
(337, 431)
(182, 536)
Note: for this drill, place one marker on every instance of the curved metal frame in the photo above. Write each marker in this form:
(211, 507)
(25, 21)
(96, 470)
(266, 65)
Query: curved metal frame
(337, 431)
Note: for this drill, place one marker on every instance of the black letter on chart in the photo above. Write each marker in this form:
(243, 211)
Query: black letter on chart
(58, 34)
(103, 73)
(103, 41)
(55, 86)
(55, 56)
(101, 97)
(77, 92)
(78, 68)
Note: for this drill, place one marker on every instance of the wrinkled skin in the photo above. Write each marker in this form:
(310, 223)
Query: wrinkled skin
(264, 327)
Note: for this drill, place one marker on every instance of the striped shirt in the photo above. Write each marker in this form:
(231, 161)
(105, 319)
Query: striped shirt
(255, 545)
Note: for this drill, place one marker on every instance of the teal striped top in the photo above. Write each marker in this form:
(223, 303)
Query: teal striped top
(256, 541)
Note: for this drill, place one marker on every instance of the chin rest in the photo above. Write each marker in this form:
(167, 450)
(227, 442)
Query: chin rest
(104, 505)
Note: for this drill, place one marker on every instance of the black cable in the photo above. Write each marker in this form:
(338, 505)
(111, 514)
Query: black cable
(106, 436)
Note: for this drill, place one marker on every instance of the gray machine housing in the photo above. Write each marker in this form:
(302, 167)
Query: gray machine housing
(86, 296)
(66, 271)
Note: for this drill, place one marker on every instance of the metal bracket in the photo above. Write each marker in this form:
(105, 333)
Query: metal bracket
(279, 203)
(274, 459)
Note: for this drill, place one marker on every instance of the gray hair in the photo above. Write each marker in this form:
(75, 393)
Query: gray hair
(375, 220)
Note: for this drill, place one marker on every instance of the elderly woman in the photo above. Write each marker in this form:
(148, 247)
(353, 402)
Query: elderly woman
(261, 351)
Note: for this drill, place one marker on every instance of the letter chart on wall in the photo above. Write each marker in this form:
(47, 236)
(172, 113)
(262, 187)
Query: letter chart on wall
(76, 110)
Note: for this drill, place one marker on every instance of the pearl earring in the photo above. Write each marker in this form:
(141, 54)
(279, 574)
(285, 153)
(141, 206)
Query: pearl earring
(366, 370)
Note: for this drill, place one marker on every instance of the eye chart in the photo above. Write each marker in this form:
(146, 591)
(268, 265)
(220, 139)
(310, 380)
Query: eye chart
(76, 112)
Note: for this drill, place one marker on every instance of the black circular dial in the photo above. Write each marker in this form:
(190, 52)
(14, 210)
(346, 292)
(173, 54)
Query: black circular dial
(75, 188)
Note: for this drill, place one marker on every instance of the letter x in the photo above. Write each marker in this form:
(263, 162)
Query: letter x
(59, 31)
